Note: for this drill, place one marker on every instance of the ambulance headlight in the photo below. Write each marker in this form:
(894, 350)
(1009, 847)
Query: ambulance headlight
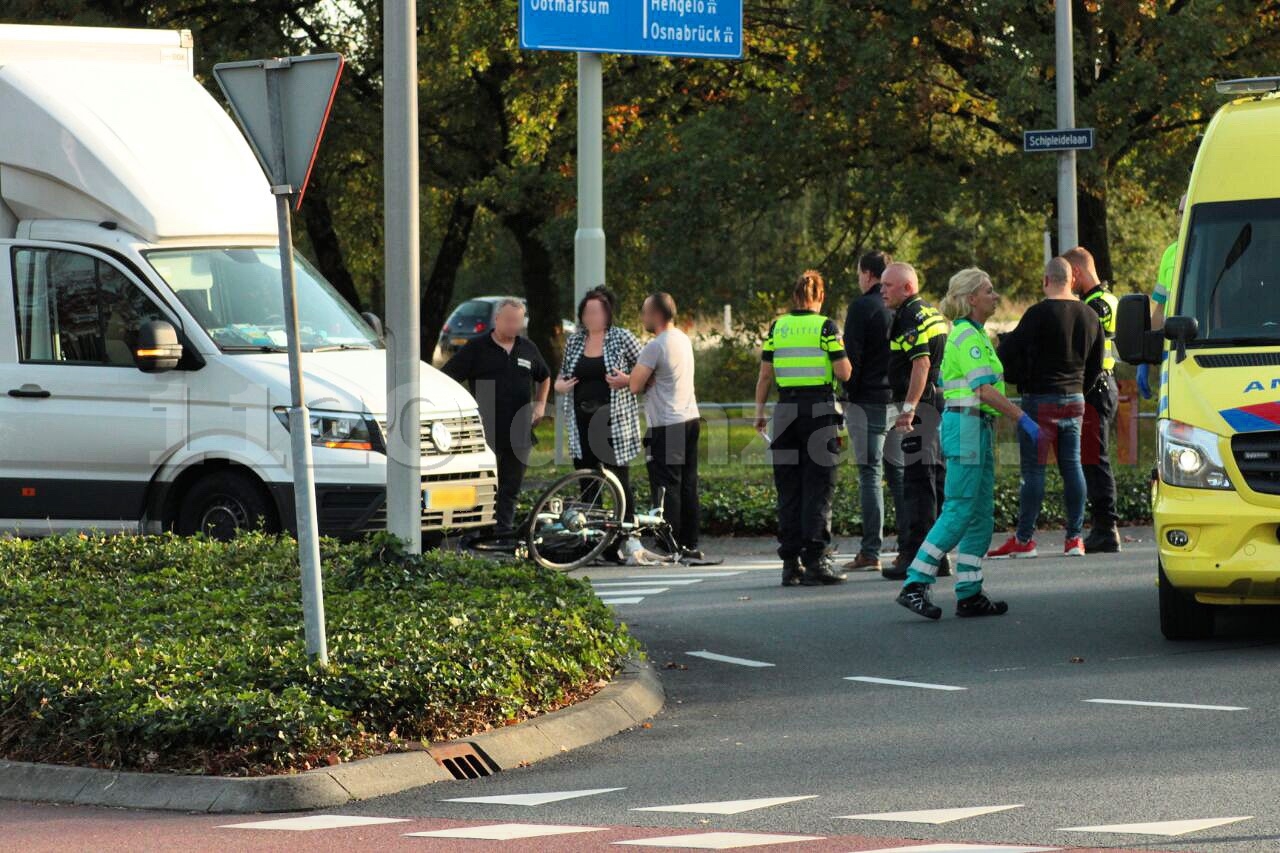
(340, 430)
(1190, 457)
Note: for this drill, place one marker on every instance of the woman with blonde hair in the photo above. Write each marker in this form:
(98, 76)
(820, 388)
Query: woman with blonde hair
(973, 396)
(803, 355)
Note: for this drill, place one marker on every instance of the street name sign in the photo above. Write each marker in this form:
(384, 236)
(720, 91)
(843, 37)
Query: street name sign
(1078, 139)
(701, 29)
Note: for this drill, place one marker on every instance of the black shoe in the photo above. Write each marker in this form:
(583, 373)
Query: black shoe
(897, 571)
(980, 605)
(1102, 540)
(791, 572)
(690, 555)
(823, 573)
(915, 597)
(944, 567)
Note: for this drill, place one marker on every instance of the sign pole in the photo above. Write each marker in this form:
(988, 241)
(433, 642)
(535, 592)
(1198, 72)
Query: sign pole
(1068, 228)
(588, 242)
(403, 321)
(304, 492)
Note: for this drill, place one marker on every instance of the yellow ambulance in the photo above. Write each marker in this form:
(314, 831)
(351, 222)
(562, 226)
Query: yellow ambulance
(1216, 499)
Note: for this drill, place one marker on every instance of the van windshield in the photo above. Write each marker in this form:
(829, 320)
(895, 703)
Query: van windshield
(1231, 272)
(236, 295)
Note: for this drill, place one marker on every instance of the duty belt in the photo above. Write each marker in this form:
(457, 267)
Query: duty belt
(973, 411)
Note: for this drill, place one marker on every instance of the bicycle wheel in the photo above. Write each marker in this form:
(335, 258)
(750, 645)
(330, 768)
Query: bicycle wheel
(576, 519)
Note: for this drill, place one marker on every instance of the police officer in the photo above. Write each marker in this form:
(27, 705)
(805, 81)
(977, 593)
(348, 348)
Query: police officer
(917, 341)
(804, 355)
(973, 392)
(1101, 402)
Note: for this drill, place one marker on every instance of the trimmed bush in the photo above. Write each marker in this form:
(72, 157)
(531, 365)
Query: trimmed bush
(161, 653)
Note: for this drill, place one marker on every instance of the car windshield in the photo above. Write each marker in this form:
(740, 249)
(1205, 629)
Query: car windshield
(1231, 272)
(476, 309)
(236, 295)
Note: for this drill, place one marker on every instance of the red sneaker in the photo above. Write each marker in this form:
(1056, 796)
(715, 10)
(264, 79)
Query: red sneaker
(1074, 548)
(1012, 548)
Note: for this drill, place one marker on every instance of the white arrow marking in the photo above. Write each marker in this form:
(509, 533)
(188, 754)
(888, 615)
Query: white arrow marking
(1167, 828)
(534, 799)
(934, 816)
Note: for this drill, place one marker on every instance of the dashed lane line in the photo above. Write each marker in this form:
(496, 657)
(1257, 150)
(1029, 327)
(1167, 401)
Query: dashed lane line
(1179, 705)
(706, 655)
(892, 682)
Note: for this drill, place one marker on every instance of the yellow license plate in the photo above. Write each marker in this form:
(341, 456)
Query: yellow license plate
(449, 497)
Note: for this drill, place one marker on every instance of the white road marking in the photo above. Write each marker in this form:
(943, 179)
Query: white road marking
(1168, 828)
(313, 822)
(665, 581)
(1182, 705)
(504, 831)
(683, 576)
(965, 848)
(726, 807)
(632, 600)
(719, 840)
(933, 816)
(866, 679)
(534, 799)
(647, 590)
(706, 655)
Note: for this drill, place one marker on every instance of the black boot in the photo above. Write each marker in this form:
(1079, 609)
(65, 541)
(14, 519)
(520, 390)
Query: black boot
(897, 571)
(822, 573)
(1103, 539)
(915, 597)
(791, 571)
(980, 605)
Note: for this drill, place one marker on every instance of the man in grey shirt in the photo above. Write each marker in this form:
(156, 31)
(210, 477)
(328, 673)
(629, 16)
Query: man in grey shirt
(664, 373)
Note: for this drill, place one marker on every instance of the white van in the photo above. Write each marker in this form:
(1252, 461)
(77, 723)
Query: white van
(128, 197)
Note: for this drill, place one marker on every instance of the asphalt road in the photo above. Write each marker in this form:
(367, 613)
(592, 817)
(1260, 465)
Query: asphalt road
(1022, 731)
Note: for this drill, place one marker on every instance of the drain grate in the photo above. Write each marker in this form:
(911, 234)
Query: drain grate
(463, 760)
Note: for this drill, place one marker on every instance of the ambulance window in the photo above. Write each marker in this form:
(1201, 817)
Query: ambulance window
(77, 309)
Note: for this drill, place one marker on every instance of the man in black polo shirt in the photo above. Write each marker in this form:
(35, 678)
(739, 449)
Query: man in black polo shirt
(510, 381)
(916, 344)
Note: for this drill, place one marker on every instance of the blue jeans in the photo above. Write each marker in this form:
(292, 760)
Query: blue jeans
(1060, 419)
(868, 426)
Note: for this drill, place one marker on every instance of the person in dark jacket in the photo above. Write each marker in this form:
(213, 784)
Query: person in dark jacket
(1055, 353)
(870, 397)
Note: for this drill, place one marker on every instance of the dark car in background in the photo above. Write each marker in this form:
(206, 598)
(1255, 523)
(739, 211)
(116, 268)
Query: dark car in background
(471, 319)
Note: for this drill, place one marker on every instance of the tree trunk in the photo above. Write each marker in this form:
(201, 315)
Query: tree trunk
(1092, 202)
(540, 289)
(437, 294)
(317, 220)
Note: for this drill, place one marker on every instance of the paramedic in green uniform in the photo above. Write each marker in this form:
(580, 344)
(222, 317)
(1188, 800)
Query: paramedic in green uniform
(973, 395)
(804, 355)
(1160, 298)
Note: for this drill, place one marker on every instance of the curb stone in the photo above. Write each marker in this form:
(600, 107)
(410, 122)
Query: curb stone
(633, 697)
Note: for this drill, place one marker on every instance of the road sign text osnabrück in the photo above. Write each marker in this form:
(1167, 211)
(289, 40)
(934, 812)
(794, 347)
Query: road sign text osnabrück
(707, 29)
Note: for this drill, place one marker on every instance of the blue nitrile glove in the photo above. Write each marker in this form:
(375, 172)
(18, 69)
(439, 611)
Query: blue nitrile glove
(1030, 427)
(1144, 381)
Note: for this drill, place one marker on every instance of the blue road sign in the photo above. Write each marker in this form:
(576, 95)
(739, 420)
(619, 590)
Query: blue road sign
(1079, 139)
(706, 29)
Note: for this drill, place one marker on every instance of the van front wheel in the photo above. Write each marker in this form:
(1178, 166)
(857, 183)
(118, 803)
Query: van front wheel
(1181, 616)
(224, 504)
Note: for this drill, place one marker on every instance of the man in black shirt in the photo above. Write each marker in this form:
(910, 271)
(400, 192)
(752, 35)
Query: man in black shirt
(866, 339)
(1053, 355)
(510, 381)
(916, 344)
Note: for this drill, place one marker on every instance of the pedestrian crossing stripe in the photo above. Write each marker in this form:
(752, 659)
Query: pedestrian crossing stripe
(719, 840)
(1168, 828)
(611, 584)
(538, 799)
(504, 831)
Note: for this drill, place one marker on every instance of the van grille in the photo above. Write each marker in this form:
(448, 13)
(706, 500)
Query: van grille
(481, 514)
(1239, 359)
(1257, 456)
(467, 432)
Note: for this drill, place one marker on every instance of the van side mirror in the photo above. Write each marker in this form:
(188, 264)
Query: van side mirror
(1135, 342)
(1181, 330)
(374, 323)
(158, 349)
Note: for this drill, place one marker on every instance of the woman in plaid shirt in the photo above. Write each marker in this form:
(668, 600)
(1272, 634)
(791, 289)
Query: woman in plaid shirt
(601, 413)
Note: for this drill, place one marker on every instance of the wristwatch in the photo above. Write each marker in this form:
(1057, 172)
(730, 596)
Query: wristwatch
(908, 408)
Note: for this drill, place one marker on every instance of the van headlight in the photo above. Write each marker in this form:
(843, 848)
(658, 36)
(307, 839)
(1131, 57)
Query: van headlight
(1189, 457)
(340, 430)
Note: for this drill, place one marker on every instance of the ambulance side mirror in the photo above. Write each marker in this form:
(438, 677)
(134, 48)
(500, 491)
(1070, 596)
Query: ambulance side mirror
(1181, 331)
(1135, 342)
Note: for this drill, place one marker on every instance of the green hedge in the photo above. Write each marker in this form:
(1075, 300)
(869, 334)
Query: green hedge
(745, 505)
(166, 653)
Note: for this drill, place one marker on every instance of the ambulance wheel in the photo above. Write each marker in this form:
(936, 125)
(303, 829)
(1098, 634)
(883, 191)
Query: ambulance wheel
(224, 504)
(1181, 616)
